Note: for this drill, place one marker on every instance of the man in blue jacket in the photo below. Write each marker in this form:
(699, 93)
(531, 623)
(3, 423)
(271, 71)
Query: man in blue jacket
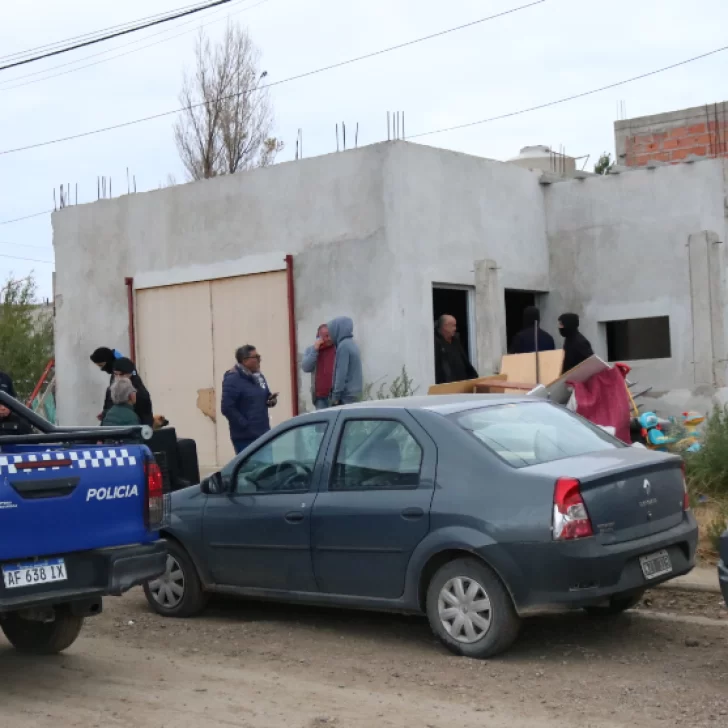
(348, 378)
(246, 399)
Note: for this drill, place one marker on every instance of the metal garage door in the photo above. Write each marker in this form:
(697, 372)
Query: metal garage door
(186, 340)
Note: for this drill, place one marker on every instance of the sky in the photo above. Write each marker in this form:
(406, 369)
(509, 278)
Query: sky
(538, 54)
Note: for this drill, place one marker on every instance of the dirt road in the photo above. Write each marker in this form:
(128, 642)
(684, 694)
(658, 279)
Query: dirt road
(254, 666)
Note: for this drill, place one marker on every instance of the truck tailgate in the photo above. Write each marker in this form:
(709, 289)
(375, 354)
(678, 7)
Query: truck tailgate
(63, 500)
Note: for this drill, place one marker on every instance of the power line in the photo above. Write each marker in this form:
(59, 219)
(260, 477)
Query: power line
(25, 245)
(109, 36)
(570, 98)
(299, 76)
(119, 55)
(31, 260)
(26, 217)
(56, 44)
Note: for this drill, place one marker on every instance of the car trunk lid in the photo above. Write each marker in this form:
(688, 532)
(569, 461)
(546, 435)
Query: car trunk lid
(629, 493)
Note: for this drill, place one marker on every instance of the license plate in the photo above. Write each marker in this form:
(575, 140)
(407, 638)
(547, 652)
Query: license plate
(34, 573)
(655, 565)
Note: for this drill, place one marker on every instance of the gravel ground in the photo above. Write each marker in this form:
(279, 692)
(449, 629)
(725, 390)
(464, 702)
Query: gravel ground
(253, 665)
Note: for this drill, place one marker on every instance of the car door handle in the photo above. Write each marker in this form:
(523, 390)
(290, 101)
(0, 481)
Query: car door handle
(412, 514)
(294, 516)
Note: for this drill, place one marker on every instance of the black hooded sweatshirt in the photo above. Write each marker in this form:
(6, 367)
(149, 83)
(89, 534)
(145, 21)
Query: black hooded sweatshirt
(576, 346)
(524, 341)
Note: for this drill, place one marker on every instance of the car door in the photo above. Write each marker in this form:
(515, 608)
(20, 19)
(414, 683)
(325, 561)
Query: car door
(259, 534)
(373, 506)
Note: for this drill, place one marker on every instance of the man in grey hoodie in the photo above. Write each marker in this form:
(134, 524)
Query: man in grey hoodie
(348, 378)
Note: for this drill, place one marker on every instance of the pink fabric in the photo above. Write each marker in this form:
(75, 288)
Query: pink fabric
(603, 400)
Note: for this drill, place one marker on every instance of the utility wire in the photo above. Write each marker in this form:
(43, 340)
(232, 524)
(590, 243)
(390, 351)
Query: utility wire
(569, 98)
(25, 245)
(118, 55)
(118, 33)
(26, 217)
(94, 33)
(31, 260)
(297, 77)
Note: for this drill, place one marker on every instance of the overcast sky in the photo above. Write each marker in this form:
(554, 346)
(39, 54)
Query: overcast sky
(542, 53)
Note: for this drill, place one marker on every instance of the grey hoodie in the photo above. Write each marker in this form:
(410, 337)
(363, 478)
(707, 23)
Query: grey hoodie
(348, 378)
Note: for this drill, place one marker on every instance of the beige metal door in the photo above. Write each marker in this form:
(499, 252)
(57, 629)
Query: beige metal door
(252, 310)
(174, 344)
(186, 340)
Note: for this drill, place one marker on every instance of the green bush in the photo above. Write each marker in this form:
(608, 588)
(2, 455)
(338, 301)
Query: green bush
(401, 386)
(717, 527)
(707, 469)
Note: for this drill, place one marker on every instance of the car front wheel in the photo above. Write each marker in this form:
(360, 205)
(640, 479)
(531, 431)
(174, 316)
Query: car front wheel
(178, 592)
(470, 610)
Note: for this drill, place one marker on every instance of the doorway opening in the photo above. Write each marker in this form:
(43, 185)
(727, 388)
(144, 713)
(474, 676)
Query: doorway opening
(516, 303)
(456, 301)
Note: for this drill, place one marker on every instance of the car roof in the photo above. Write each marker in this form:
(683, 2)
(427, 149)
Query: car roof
(444, 404)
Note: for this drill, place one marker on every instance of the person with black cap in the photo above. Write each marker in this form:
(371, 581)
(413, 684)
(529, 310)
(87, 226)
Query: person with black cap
(525, 341)
(124, 369)
(104, 359)
(576, 346)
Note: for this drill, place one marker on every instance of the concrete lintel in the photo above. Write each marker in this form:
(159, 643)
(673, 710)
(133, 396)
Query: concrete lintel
(245, 266)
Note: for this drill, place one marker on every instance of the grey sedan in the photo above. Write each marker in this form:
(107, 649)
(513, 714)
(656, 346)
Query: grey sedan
(477, 511)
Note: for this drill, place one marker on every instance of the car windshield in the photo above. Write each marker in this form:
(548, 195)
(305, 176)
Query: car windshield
(527, 433)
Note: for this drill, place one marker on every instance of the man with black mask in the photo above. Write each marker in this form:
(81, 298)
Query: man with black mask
(576, 346)
(104, 359)
(524, 342)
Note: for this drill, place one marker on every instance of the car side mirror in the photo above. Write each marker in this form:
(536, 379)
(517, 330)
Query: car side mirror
(213, 484)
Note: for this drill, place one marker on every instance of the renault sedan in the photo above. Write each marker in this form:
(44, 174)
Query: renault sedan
(477, 511)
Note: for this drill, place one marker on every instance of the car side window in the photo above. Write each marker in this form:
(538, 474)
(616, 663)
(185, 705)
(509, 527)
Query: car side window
(284, 464)
(376, 454)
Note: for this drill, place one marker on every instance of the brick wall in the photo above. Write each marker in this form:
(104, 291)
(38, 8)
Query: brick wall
(672, 137)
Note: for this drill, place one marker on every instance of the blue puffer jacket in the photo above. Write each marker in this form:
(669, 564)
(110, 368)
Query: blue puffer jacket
(245, 404)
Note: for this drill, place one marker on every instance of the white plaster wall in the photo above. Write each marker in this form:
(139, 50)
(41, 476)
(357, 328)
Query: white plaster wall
(288, 207)
(619, 250)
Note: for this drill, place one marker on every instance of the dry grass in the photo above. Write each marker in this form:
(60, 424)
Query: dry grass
(711, 518)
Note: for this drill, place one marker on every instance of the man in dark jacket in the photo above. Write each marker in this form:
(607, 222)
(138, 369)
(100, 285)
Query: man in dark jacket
(524, 342)
(451, 361)
(576, 346)
(124, 369)
(246, 399)
(11, 424)
(122, 414)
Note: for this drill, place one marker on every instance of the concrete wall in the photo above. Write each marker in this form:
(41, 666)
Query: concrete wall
(640, 244)
(674, 136)
(289, 207)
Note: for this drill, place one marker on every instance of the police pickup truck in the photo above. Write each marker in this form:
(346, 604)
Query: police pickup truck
(80, 513)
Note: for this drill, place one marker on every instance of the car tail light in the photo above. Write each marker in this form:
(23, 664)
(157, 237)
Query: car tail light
(571, 519)
(686, 495)
(155, 505)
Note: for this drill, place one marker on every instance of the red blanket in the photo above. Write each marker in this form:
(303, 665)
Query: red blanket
(603, 400)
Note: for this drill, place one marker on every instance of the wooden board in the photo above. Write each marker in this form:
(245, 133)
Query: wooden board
(522, 367)
(503, 386)
(558, 392)
(464, 387)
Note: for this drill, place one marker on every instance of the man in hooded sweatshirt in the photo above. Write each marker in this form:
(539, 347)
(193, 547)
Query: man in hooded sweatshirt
(576, 346)
(348, 377)
(524, 342)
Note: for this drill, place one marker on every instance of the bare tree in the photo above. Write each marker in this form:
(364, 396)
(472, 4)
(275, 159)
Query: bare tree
(227, 119)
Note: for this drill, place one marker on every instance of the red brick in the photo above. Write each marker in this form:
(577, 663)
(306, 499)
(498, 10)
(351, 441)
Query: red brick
(697, 151)
(644, 138)
(652, 147)
(640, 160)
(661, 157)
(697, 129)
(703, 139)
(670, 144)
(678, 132)
(678, 154)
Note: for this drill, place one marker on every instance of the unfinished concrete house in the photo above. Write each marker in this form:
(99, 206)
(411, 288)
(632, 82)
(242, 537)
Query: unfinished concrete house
(392, 235)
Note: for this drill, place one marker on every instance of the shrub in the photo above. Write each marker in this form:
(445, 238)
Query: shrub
(707, 469)
(401, 386)
(717, 527)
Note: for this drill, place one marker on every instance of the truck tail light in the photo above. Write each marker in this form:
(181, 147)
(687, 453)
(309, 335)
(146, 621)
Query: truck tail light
(686, 495)
(156, 510)
(571, 519)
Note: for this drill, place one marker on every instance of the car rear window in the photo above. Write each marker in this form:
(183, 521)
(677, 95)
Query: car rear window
(527, 433)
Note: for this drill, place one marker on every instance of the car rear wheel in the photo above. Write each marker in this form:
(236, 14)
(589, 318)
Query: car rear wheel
(470, 610)
(42, 638)
(617, 605)
(178, 592)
